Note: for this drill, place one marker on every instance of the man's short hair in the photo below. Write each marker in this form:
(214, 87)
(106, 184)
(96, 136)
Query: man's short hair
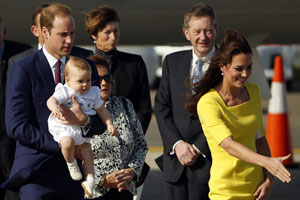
(48, 14)
(37, 11)
(200, 10)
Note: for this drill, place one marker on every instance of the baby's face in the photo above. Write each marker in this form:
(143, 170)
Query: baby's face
(79, 80)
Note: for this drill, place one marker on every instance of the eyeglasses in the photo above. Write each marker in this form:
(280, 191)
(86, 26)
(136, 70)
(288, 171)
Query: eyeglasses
(106, 77)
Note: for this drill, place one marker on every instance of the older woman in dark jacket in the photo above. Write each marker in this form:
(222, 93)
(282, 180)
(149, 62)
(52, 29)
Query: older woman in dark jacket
(129, 74)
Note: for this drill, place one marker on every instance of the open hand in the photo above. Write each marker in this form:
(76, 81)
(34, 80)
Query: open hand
(276, 168)
(73, 115)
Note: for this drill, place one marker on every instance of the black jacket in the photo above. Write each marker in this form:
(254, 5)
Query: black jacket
(174, 122)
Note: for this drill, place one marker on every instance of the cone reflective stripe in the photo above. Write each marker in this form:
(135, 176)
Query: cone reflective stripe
(278, 130)
(278, 102)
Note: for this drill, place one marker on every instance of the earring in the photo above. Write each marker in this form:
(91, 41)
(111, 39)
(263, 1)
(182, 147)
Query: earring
(94, 41)
(222, 74)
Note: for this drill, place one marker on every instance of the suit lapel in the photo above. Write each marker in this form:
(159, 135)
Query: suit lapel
(45, 71)
(184, 71)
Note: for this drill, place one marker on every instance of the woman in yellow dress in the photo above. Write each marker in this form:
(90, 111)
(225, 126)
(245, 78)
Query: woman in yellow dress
(229, 109)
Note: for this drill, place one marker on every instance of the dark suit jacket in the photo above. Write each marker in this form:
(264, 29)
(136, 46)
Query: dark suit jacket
(131, 77)
(30, 84)
(81, 52)
(174, 122)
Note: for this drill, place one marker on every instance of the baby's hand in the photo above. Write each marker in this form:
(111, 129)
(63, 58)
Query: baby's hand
(56, 112)
(112, 130)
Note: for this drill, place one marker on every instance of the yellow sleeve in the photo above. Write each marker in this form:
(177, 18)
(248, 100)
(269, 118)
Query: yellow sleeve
(210, 116)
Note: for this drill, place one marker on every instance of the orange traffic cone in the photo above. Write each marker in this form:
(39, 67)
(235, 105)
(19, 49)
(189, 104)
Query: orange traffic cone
(278, 130)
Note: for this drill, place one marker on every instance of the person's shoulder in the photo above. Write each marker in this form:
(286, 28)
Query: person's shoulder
(15, 44)
(122, 100)
(252, 87)
(182, 53)
(211, 96)
(22, 55)
(31, 60)
(12, 47)
(128, 56)
(81, 52)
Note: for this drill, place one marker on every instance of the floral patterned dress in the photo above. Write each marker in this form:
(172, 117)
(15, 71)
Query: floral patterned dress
(126, 150)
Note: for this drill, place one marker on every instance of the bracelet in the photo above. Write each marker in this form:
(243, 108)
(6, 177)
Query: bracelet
(102, 181)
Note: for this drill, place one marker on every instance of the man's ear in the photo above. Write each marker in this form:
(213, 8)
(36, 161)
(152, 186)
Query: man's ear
(34, 30)
(45, 33)
(186, 33)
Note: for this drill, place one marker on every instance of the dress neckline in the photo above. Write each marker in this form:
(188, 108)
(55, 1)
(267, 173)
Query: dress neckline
(247, 90)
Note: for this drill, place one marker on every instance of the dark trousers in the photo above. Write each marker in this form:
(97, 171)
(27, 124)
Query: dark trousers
(52, 182)
(113, 194)
(7, 152)
(188, 187)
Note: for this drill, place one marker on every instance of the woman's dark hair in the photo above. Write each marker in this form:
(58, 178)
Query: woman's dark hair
(233, 44)
(99, 60)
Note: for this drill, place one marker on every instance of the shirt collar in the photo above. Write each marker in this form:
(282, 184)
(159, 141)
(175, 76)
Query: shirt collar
(52, 60)
(205, 58)
(40, 46)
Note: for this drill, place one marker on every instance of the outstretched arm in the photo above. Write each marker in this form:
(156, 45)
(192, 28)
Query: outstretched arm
(105, 116)
(273, 165)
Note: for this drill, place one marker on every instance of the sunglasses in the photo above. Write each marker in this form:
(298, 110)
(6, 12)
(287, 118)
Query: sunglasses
(106, 77)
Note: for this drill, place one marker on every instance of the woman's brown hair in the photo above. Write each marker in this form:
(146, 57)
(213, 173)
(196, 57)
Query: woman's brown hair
(97, 19)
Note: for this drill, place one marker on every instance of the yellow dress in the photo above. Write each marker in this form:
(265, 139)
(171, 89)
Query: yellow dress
(230, 177)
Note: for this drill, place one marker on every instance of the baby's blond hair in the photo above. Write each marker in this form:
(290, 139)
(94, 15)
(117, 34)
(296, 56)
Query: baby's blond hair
(76, 63)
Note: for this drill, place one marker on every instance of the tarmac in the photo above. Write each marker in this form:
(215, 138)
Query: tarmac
(153, 187)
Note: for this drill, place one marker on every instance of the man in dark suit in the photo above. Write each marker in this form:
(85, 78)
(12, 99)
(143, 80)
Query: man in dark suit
(36, 31)
(39, 169)
(186, 157)
(7, 145)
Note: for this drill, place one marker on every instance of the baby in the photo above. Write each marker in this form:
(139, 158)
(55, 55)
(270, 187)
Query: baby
(78, 83)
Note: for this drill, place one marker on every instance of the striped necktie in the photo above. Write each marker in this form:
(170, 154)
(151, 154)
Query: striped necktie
(197, 71)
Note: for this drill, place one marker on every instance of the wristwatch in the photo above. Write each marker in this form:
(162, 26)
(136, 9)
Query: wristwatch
(87, 124)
